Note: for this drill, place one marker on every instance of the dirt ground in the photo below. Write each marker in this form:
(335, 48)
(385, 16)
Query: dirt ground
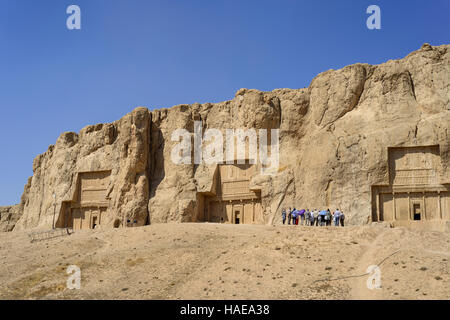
(217, 261)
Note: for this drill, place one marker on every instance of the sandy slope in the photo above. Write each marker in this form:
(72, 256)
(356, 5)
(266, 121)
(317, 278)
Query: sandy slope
(211, 261)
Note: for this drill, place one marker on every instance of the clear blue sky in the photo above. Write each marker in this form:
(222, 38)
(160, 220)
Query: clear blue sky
(162, 53)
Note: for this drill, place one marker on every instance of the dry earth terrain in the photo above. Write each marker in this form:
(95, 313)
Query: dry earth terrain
(215, 261)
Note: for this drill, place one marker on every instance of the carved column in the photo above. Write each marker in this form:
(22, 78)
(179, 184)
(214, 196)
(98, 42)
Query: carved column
(253, 210)
(439, 205)
(233, 217)
(424, 207)
(394, 213)
(409, 206)
(377, 203)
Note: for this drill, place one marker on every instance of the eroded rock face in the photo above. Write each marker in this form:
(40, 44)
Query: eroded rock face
(334, 137)
(9, 217)
(122, 147)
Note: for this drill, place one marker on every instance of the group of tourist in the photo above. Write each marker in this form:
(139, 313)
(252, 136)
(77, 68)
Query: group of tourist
(313, 218)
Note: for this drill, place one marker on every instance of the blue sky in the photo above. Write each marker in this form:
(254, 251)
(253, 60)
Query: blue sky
(162, 53)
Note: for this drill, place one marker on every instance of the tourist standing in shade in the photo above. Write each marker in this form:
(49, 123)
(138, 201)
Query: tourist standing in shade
(283, 215)
(336, 217)
(311, 218)
(342, 218)
(328, 218)
(322, 216)
(294, 216)
(289, 215)
(307, 217)
(302, 216)
(316, 217)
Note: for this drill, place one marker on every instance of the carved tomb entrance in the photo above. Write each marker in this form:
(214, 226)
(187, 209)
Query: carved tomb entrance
(90, 204)
(415, 193)
(233, 201)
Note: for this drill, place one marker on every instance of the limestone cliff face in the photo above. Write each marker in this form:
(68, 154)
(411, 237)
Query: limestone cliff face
(334, 137)
(121, 147)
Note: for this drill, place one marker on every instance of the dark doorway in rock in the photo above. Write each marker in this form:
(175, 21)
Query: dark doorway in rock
(237, 215)
(416, 211)
(94, 222)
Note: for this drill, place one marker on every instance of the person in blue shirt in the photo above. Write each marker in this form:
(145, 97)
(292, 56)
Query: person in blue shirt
(336, 217)
(294, 216)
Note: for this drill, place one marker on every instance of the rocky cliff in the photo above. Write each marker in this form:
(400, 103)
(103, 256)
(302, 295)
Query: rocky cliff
(334, 137)
(9, 217)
